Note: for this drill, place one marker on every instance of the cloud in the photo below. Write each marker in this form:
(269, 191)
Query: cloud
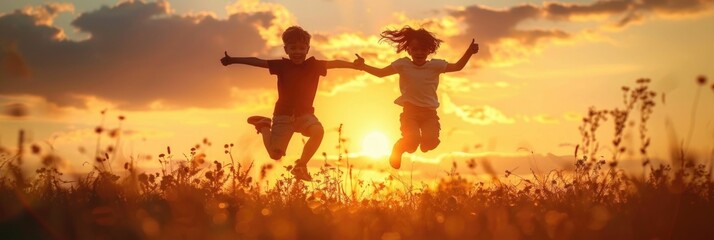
(484, 115)
(273, 31)
(506, 41)
(629, 10)
(545, 119)
(138, 54)
(46, 14)
(12, 63)
(499, 34)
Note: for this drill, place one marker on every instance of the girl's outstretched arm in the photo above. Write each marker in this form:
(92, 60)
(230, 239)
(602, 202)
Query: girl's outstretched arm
(454, 67)
(378, 72)
(252, 61)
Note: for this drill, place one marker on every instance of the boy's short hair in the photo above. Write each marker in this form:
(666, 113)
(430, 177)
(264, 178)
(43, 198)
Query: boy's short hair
(296, 34)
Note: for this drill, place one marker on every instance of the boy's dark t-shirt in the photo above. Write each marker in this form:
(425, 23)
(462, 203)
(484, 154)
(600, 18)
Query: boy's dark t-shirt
(297, 85)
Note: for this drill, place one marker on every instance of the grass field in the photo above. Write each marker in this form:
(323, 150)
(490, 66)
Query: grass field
(193, 198)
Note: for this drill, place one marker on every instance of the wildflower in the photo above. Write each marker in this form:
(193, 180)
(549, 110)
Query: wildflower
(98, 130)
(471, 163)
(114, 133)
(35, 149)
(121, 118)
(168, 149)
(702, 80)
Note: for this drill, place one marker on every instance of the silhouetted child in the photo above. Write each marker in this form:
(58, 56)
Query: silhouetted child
(297, 84)
(418, 80)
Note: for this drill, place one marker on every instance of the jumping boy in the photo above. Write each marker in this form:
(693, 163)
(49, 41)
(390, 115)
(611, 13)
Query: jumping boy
(297, 84)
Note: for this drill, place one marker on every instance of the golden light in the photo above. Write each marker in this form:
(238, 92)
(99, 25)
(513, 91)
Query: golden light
(376, 145)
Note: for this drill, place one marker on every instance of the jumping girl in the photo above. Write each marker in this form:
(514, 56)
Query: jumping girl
(418, 80)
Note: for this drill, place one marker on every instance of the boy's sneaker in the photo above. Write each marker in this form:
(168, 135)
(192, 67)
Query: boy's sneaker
(395, 160)
(259, 122)
(300, 173)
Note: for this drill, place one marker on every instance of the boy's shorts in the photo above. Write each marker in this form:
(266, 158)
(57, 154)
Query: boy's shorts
(284, 126)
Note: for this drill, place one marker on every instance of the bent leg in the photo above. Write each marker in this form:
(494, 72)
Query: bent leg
(315, 134)
(280, 135)
(408, 142)
(310, 127)
(410, 133)
(430, 128)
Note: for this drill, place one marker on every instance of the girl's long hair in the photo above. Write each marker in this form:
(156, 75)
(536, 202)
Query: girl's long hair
(403, 37)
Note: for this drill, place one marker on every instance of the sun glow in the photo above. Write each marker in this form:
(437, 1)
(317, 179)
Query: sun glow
(376, 145)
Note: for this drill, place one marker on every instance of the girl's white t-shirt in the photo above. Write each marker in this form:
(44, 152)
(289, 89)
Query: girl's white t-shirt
(418, 83)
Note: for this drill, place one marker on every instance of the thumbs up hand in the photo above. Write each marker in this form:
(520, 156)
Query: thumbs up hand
(359, 62)
(473, 47)
(226, 60)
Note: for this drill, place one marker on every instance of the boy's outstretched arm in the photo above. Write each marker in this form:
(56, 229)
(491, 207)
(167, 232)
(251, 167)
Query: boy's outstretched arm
(453, 67)
(378, 72)
(339, 64)
(252, 61)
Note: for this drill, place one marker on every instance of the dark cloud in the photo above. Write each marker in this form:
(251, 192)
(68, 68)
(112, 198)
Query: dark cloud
(491, 26)
(137, 53)
(12, 64)
(565, 11)
(629, 10)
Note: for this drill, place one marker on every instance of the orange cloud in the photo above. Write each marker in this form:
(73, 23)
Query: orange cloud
(484, 115)
(46, 14)
(271, 32)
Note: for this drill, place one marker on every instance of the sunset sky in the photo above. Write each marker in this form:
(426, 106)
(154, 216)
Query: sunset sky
(518, 103)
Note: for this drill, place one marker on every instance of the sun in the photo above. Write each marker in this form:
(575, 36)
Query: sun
(376, 145)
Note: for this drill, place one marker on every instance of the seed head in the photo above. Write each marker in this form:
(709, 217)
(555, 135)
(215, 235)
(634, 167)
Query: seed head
(35, 149)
